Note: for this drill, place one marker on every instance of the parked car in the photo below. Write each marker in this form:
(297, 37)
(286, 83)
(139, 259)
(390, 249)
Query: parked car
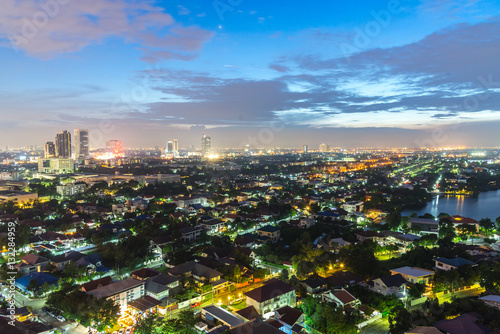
(195, 304)
(61, 318)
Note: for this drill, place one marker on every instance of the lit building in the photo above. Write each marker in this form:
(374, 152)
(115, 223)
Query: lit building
(71, 189)
(176, 145)
(49, 150)
(206, 145)
(306, 148)
(81, 143)
(56, 165)
(17, 196)
(63, 144)
(324, 147)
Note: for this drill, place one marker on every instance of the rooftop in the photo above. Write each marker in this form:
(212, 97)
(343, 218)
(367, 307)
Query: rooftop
(415, 272)
(115, 288)
(273, 288)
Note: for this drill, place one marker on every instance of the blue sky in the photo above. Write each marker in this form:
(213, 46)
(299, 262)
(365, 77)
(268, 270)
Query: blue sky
(365, 73)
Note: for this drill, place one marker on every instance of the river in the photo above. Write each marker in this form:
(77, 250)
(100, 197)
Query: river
(486, 205)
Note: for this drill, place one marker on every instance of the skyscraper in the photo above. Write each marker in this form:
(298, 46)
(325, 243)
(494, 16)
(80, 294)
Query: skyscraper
(81, 143)
(206, 145)
(170, 147)
(176, 146)
(306, 148)
(324, 147)
(49, 150)
(63, 144)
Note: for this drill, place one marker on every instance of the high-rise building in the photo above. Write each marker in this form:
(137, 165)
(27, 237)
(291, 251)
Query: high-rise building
(206, 145)
(306, 148)
(81, 143)
(324, 148)
(176, 145)
(170, 147)
(49, 150)
(63, 144)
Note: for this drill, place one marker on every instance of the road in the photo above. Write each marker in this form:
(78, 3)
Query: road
(36, 308)
(380, 326)
(461, 294)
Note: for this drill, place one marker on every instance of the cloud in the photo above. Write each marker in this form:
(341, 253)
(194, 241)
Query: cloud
(279, 68)
(59, 27)
(183, 10)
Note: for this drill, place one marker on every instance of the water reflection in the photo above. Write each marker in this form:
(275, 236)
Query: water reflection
(485, 205)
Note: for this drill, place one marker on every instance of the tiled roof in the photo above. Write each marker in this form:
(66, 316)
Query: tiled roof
(273, 288)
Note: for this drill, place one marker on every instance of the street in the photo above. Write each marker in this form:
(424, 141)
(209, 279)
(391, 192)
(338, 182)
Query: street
(36, 308)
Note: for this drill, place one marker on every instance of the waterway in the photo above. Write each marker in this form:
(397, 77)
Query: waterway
(486, 205)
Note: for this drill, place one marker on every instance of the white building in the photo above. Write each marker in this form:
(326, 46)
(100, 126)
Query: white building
(353, 206)
(71, 189)
(121, 292)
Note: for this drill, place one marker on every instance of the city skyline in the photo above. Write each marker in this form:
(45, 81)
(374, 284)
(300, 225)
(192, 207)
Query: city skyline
(375, 73)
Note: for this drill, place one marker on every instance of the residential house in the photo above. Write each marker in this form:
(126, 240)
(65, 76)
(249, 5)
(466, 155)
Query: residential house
(36, 227)
(424, 225)
(414, 274)
(443, 263)
(424, 330)
(213, 226)
(463, 324)
(314, 285)
(144, 274)
(162, 286)
(271, 296)
(342, 298)
(342, 279)
(353, 206)
(202, 274)
(271, 233)
(369, 235)
(190, 234)
(292, 321)
(256, 326)
(491, 300)
(121, 292)
(32, 263)
(92, 285)
(306, 222)
(389, 285)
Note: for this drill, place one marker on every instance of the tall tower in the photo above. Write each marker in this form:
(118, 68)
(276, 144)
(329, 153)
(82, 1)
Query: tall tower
(63, 144)
(176, 146)
(170, 147)
(49, 150)
(81, 143)
(206, 145)
(306, 148)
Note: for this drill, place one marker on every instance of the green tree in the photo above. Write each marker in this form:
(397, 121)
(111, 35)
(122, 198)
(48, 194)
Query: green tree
(33, 286)
(399, 320)
(487, 225)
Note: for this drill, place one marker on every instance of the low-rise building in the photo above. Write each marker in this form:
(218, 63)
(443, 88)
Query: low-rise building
(56, 165)
(271, 296)
(491, 300)
(17, 196)
(389, 285)
(414, 274)
(71, 189)
(32, 263)
(341, 298)
(443, 263)
(271, 233)
(121, 292)
(353, 206)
